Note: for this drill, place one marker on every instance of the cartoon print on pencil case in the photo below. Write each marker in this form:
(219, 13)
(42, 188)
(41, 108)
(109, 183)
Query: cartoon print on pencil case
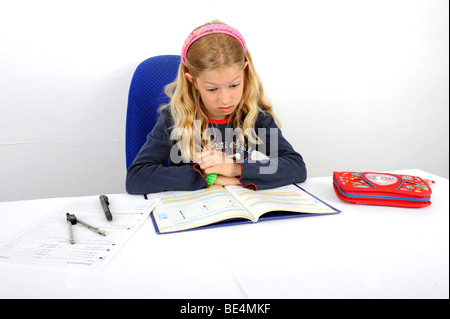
(410, 183)
(354, 179)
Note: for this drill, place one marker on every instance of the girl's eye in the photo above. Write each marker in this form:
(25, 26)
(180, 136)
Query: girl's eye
(234, 85)
(211, 90)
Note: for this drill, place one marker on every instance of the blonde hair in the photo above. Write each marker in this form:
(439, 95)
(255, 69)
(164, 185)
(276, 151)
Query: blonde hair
(214, 52)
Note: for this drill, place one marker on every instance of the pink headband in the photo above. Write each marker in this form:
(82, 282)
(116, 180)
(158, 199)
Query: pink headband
(207, 30)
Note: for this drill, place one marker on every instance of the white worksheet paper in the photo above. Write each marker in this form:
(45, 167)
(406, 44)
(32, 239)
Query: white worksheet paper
(46, 242)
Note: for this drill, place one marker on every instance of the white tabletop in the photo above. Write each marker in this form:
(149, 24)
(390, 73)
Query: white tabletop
(363, 252)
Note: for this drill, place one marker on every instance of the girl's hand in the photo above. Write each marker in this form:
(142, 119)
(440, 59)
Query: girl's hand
(216, 162)
(224, 180)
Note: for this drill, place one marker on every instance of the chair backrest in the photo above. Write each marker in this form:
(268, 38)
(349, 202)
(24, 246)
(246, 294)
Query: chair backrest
(145, 96)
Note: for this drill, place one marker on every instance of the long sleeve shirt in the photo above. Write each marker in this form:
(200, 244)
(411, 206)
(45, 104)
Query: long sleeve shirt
(270, 164)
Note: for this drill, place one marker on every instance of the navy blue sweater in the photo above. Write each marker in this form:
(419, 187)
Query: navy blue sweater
(281, 165)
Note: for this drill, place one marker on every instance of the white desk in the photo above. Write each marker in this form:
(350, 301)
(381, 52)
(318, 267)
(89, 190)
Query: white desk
(363, 252)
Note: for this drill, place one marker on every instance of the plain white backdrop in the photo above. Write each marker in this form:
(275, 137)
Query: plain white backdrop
(359, 85)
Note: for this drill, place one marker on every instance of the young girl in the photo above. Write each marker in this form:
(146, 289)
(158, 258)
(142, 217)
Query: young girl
(218, 128)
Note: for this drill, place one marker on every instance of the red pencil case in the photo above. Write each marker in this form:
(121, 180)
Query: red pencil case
(382, 189)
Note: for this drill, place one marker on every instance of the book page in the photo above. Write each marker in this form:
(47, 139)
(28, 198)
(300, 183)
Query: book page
(180, 210)
(288, 198)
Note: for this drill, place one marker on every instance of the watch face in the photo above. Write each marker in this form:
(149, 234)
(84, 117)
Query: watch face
(381, 179)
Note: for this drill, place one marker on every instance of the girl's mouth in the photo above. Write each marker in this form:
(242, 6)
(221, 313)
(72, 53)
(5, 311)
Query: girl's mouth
(226, 109)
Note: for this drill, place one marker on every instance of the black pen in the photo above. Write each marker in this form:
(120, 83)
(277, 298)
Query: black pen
(105, 203)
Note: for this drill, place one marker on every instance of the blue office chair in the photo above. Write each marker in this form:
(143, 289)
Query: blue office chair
(145, 96)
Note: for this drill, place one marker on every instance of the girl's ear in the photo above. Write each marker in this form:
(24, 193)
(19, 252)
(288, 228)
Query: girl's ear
(189, 77)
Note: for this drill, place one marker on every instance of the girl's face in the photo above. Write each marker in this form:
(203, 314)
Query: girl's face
(220, 90)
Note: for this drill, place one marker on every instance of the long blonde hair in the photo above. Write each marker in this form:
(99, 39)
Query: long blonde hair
(214, 52)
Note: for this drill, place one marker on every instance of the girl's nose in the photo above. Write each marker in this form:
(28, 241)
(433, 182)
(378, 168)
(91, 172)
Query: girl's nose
(225, 97)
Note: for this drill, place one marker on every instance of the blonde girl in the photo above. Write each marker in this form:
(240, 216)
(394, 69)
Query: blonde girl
(218, 128)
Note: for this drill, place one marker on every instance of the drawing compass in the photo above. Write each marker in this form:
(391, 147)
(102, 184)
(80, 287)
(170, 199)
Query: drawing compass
(72, 220)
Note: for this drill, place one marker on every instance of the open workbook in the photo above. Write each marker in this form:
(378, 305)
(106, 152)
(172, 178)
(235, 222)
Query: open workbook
(217, 206)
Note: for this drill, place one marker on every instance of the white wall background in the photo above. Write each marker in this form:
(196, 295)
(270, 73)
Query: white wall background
(358, 85)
